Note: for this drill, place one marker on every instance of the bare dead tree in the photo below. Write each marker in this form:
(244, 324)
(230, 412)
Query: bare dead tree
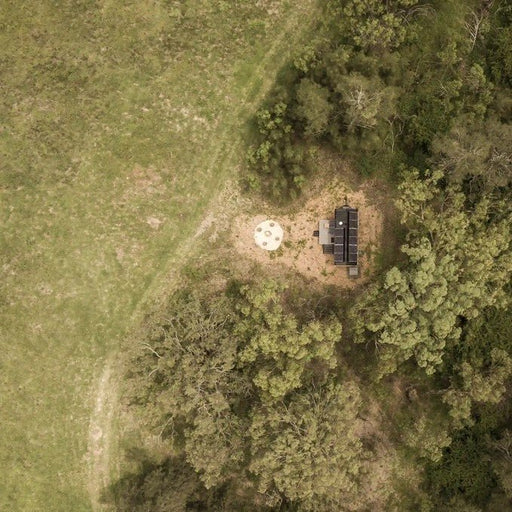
(149, 347)
(474, 24)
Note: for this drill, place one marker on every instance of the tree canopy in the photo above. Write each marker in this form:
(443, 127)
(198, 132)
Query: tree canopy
(459, 257)
(240, 384)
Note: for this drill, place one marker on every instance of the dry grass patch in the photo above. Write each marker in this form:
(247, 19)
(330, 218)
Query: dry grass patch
(126, 121)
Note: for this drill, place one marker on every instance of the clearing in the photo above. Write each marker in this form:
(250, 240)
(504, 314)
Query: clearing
(231, 223)
(300, 251)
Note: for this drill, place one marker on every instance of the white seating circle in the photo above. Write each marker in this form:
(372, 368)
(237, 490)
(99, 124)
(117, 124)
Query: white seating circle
(268, 235)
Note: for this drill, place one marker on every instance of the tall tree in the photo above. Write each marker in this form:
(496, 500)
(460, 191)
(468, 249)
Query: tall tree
(372, 24)
(313, 106)
(477, 149)
(187, 383)
(475, 381)
(277, 348)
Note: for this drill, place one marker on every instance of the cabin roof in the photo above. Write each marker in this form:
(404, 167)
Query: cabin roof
(339, 236)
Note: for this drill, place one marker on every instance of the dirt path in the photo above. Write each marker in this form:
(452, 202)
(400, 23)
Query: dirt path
(102, 456)
(101, 433)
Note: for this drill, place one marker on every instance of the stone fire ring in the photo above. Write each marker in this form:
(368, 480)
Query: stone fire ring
(268, 235)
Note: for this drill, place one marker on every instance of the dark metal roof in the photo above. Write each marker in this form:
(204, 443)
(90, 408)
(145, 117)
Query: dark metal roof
(346, 222)
(339, 236)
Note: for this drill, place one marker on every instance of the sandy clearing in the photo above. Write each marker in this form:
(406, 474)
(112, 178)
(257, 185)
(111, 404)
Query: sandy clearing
(300, 251)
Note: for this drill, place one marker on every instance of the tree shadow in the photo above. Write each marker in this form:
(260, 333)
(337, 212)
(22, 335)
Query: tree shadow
(172, 485)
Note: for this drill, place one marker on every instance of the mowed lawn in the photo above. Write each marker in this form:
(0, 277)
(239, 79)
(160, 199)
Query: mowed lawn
(119, 122)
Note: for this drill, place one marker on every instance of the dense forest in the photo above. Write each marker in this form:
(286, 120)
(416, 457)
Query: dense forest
(270, 395)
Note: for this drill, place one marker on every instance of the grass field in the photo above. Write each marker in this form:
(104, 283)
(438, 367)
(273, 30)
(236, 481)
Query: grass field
(120, 122)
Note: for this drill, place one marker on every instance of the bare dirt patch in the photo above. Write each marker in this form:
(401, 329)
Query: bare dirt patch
(300, 251)
(143, 181)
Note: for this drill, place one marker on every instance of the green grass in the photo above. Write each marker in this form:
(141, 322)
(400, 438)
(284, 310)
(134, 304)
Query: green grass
(112, 113)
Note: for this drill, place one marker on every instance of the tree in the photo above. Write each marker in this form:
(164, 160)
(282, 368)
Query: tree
(188, 385)
(362, 104)
(502, 461)
(372, 24)
(464, 474)
(427, 437)
(487, 384)
(313, 106)
(458, 260)
(475, 381)
(476, 149)
(499, 54)
(166, 487)
(209, 359)
(277, 161)
(460, 405)
(277, 348)
(478, 22)
(307, 448)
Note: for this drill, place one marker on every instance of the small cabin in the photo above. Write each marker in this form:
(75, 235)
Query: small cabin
(339, 237)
